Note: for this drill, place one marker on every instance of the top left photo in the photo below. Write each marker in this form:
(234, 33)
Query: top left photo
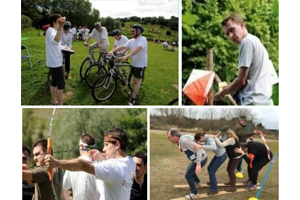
(99, 52)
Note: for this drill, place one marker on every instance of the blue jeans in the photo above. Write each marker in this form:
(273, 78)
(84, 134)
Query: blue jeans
(191, 176)
(212, 168)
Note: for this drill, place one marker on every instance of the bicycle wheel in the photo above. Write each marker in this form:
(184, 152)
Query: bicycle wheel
(84, 66)
(104, 87)
(93, 73)
(130, 81)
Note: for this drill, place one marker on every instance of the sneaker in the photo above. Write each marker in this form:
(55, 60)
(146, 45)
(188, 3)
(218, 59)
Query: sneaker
(191, 196)
(251, 187)
(132, 101)
(247, 183)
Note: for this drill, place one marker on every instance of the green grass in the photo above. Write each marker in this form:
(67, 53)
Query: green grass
(158, 88)
(168, 166)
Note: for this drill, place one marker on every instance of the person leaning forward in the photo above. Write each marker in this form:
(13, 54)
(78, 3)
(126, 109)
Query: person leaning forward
(39, 178)
(254, 75)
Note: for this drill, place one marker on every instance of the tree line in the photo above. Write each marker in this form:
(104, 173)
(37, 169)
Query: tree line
(80, 12)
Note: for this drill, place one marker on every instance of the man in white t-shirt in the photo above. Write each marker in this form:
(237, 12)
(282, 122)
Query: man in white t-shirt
(86, 32)
(112, 166)
(100, 34)
(84, 185)
(138, 54)
(119, 41)
(74, 32)
(54, 58)
(254, 75)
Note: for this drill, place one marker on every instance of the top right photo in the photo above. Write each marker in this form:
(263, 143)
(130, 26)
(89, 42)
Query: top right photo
(230, 52)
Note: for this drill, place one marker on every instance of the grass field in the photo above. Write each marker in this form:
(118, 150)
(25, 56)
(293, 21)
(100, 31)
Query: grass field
(159, 87)
(168, 164)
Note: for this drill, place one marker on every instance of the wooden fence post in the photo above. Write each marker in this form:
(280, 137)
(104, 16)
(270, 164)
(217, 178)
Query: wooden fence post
(210, 67)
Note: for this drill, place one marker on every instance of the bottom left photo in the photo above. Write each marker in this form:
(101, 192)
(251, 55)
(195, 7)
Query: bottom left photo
(81, 153)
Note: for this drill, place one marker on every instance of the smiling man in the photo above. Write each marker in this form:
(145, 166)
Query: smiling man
(112, 166)
(254, 75)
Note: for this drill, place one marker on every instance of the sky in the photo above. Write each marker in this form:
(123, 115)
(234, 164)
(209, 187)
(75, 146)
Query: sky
(268, 116)
(140, 8)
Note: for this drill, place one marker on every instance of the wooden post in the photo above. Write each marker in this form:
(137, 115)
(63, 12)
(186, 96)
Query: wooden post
(210, 67)
(229, 97)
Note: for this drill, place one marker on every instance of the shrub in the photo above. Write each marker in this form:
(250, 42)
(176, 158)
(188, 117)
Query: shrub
(168, 33)
(26, 22)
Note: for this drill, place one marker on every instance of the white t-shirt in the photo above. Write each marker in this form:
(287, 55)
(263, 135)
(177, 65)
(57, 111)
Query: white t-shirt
(102, 35)
(117, 175)
(123, 40)
(73, 30)
(86, 31)
(84, 185)
(253, 55)
(66, 39)
(54, 56)
(141, 58)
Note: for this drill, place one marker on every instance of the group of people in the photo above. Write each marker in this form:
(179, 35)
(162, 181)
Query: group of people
(94, 175)
(236, 144)
(81, 33)
(59, 36)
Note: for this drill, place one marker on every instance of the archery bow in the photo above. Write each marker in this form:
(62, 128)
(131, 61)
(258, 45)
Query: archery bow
(49, 147)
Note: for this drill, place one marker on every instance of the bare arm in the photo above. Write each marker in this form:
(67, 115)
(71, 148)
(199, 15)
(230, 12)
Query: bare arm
(237, 84)
(65, 194)
(71, 165)
(61, 22)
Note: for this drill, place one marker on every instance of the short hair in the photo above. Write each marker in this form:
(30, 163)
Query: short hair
(52, 18)
(235, 17)
(142, 155)
(174, 132)
(199, 134)
(87, 139)
(42, 143)
(119, 135)
(25, 148)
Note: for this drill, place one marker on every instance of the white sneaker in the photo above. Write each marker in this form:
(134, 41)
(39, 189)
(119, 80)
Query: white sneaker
(191, 196)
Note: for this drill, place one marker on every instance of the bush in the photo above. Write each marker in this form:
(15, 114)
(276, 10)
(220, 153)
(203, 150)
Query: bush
(26, 22)
(168, 33)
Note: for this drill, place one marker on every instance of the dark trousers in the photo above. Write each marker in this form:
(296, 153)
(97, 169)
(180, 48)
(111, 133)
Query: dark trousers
(67, 61)
(257, 165)
(231, 167)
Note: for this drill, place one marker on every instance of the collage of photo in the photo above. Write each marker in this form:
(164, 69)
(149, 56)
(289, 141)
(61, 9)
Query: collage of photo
(150, 99)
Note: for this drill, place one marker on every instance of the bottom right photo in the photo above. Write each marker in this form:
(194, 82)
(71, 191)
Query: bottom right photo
(214, 153)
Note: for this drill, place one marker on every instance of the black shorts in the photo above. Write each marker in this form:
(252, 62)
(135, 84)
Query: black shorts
(138, 72)
(58, 79)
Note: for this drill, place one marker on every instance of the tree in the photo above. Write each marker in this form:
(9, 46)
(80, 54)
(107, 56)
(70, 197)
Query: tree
(109, 23)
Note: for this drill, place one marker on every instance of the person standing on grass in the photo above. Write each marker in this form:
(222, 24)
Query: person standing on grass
(258, 157)
(139, 187)
(195, 154)
(119, 41)
(38, 176)
(66, 42)
(254, 75)
(208, 143)
(84, 185)
(231, 142)
(100, 34)
(113, 166)
(139, 56)
(54, 58)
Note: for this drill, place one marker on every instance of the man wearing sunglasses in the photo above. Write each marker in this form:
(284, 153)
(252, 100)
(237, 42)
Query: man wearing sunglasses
(139, 56)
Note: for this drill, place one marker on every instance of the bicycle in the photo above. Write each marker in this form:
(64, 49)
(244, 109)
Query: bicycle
(106, 84)
(94, 71)
(87, 62)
